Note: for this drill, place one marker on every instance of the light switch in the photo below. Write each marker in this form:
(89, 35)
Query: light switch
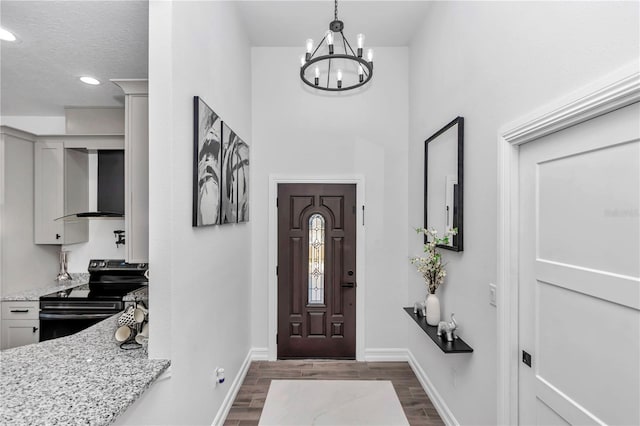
(492, 294)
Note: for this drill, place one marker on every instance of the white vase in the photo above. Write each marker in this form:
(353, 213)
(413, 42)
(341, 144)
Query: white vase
(433, 309)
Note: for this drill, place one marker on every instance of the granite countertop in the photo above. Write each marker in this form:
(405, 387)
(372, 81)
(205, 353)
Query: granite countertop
(34, 294)
(84, 379)
(139, 295)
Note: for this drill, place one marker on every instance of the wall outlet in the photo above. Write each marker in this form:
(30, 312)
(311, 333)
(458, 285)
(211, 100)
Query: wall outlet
(492, 294)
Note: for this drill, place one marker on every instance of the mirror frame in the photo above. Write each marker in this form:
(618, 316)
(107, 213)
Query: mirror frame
(459, 194)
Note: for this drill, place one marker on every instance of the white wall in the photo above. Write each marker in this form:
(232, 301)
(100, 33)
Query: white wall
(492, 62)
(298, 132)
(38, 125)
(200, 277)
(24, 265)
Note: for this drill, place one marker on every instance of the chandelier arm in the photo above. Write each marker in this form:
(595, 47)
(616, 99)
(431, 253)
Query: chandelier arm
(328, 72)
(349, 44)
(318, 47)
(344, 43)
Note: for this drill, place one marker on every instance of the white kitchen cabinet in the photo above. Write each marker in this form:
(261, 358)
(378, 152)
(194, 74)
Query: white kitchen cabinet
(61, 188)
(136, 169)
(20, 324)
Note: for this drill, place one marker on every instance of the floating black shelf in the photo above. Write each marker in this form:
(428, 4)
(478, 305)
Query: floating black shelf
(457, 346)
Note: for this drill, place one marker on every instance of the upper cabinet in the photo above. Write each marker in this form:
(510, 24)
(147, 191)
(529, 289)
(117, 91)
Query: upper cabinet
(61, 187)
(136, 169)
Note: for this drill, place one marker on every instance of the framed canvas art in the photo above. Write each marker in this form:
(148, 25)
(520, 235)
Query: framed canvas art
(207, 127)
(235, 177)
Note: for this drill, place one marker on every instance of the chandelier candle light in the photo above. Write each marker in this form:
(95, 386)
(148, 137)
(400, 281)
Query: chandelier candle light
(343, 71)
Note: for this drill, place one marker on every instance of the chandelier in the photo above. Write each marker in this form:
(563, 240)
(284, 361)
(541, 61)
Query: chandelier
(327, 68)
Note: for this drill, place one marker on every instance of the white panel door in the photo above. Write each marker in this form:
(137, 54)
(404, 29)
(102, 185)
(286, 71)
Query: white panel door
(579, 283)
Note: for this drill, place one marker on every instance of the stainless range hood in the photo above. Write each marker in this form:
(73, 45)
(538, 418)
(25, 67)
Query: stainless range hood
(92, 215)
(110, 188)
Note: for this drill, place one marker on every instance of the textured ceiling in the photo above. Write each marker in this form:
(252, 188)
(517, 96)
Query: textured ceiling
(59, 41)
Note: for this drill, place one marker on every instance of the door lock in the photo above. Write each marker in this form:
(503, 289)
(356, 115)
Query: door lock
(348, 285)
(526, 358)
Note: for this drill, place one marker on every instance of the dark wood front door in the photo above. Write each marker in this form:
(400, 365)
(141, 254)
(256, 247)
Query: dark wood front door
(316, 271)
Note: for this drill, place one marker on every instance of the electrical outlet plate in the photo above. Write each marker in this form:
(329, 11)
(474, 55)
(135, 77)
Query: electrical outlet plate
(492, 294)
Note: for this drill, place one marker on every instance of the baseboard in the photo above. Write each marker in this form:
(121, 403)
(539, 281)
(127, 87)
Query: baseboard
(260, 354)
(432, 393)
(385, 354)
(254, 354)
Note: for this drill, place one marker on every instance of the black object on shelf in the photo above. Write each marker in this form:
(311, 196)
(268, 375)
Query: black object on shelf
(457, 346)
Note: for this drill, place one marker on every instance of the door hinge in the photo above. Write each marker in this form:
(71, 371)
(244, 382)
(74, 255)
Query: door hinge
(276, 339)
(363, 215)
(277, 270)
(277, 202)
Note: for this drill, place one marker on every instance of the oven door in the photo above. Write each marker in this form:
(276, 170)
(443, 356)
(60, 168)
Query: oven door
(59, 324)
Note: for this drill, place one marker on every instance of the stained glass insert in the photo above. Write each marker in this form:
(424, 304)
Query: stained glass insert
(316, 259)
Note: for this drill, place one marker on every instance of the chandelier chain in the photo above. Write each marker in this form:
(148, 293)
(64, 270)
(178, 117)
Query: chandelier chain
(335, 10)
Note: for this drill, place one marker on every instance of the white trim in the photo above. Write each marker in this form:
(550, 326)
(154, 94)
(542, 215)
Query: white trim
(254, 354)
(386, 355)
(17, 133)
(132, 86)
(260, 354)
(614, 91)
(359, 181)
(441, 407)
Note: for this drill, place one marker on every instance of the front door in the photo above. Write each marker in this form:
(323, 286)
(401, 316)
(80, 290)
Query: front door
(580, 274)
(316, 271)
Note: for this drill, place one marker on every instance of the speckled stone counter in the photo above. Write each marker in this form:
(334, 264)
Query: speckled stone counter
(34, 294)
(139, 295)
(80, 379)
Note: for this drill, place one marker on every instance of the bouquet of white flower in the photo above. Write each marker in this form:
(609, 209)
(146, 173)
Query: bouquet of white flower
(430, 265)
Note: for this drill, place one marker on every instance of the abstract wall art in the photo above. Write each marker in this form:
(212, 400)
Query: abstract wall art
(206, 170)
(220, 170)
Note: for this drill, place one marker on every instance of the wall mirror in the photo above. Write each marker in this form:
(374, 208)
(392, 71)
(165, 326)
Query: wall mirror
(443, 194)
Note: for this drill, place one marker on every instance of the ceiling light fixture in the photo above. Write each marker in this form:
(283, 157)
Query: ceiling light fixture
(343, 71)
(90, 80)
(7, 35)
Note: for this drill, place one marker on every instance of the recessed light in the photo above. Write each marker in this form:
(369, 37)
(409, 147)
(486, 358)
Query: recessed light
(89, 80)
(7, 35)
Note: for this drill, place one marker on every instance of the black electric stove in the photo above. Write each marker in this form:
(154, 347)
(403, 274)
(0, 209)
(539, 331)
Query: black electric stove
(66, 312)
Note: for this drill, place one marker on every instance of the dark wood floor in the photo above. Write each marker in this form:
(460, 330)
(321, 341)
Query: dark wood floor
(247, 406)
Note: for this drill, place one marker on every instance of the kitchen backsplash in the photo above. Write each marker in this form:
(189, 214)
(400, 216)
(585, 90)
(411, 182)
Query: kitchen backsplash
(101, 245)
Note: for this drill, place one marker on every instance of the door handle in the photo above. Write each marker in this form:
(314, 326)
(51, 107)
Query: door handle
(58, 236)
(19, 311)
(348, 285)
(35, 329)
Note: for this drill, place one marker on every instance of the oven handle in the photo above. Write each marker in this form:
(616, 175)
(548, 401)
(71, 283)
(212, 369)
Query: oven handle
(73, 316)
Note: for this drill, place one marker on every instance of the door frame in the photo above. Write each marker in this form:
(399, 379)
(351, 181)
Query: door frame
(274, 180)
(614, 91)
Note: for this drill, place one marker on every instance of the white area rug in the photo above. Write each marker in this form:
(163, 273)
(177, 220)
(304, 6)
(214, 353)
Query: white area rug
(332, 402)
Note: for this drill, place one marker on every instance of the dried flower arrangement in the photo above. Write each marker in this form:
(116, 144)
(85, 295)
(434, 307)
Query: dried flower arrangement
(430, 265)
